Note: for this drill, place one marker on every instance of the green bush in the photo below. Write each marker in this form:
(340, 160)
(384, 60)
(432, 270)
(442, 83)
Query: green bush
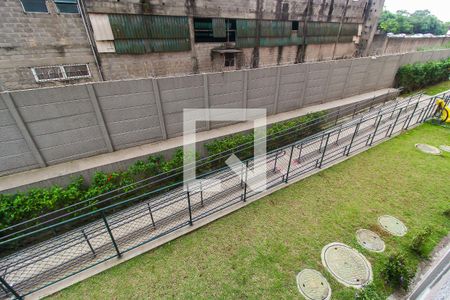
(419, 75)
(419, 241)
(369, 292)
(19, 207)
(288, 132)
(396, 272)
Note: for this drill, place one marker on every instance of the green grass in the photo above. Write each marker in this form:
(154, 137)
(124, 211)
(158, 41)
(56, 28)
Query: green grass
(256, 252)
(433, 89)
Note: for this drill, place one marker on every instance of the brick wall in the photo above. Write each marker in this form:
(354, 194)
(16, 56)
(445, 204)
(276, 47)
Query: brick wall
(39, 39)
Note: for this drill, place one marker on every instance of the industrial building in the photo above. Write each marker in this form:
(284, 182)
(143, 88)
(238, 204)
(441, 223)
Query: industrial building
(58, 42)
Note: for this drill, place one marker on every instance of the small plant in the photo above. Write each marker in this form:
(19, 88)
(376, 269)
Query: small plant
(419, 241)
(369, 292)
(447, 213)
(396, 272)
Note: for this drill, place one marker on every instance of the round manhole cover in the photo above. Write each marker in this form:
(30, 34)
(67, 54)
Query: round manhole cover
(370, 240)
(444, 148)
(312, 285)
(347, 265)
(428, 149)
(392, 225)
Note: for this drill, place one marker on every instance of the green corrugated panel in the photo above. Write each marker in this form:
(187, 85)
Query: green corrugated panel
(135, 46)
(162, 27)
(219, 29)
(349, 29)
(141, 46)
(275, 28)
(246, 42)
(128, 27)
(320, 39)
(322, 29)
(296, 40)
(245, 28)
(145, 26)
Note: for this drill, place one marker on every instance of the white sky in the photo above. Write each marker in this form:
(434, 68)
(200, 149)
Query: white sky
(439, 8)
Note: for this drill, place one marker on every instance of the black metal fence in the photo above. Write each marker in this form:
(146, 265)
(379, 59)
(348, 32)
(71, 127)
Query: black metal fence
(118, 228)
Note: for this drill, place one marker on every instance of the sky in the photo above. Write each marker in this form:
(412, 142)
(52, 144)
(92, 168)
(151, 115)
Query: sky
(439, 8)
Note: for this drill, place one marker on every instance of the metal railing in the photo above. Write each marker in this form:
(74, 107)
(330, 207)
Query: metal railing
(118, 228)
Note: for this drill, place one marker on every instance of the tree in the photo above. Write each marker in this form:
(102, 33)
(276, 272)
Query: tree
(421, 21)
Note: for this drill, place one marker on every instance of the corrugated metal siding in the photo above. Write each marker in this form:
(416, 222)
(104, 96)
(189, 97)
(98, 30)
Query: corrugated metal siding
(137, 34)
(322, 29)
(349, 29)
(219, 28)
(276, 28)
(245, 28)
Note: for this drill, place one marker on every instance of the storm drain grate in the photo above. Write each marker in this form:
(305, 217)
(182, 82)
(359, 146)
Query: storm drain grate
(392, 225)
(370, 240)
(313, 286)
(347, 265)
(428, 149)
(444, 148)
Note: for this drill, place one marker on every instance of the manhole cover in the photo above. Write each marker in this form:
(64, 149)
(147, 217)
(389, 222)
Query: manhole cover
(428, 149)
(370, 240)
(347, 265)
(312, 285)
(445, 148)
(392, 225)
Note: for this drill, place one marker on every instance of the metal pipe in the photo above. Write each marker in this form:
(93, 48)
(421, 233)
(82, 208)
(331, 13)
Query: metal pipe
(111, 235)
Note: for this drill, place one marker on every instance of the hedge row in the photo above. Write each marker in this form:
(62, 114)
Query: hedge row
(16, 208)
(419, 75)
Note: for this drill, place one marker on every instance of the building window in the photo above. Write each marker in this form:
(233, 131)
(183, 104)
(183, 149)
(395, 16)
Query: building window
(229, 60)
(67, 6)
(55, 73)
(34, 6)
(208, 30)
(294, 25)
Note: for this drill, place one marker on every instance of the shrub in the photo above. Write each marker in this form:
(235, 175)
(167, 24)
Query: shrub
(447, 213)
(396, 272)
(416, 76)
(369, 292)
(419, 241)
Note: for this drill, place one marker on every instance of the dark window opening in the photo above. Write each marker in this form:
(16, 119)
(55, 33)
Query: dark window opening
(294, 25)
(34, 6)
(204, 31)
(67, 6)
(229, 59)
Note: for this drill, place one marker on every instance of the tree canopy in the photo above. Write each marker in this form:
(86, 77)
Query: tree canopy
(421, 21)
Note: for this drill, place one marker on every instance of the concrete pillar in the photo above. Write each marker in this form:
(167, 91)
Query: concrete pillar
(157, 95)
(305, 86)
(9, 102)
(206, 98)
(99, 115)
(277, 90)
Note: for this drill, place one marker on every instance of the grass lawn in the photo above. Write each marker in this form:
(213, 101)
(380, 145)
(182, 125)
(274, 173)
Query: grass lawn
(432, 89)
(256, 252)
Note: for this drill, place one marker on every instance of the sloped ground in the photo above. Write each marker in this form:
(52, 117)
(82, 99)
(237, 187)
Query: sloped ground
(257, 251)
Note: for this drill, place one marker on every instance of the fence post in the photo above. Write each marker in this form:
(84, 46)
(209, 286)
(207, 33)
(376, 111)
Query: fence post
(201, 193)
(427, 108)
(189, 207)
(412, 115)
(10, 288)
(353, 137)
(376, 129)
(88, 242)
(151, 214)
(300, 152)
(395, 122)
(289, 164)
(337, 116)
(244, 197)
(111, 235)
(324, 150)
(354, 111)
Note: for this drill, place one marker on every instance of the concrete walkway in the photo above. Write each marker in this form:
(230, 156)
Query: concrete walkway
(165, 216)
(61, 173)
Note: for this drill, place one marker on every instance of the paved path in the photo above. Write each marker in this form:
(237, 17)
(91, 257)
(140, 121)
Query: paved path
(59, 257)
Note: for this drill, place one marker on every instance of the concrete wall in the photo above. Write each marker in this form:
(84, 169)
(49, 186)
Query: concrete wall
(40, 39)
(382, 44)
(52, 125)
